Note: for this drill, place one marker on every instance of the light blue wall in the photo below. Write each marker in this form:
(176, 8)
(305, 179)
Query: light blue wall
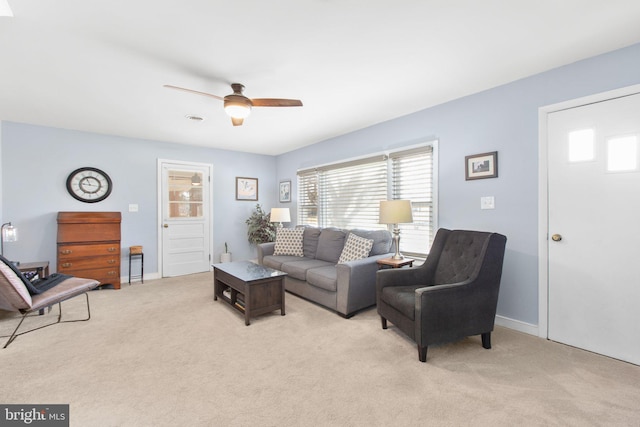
(503, 119)
(37, 160)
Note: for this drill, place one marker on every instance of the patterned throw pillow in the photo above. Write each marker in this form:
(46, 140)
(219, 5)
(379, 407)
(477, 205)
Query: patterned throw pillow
(289, 241)
(355, 248)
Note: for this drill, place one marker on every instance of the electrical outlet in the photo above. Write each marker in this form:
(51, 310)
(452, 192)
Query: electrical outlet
(487, 202)
(133, 208)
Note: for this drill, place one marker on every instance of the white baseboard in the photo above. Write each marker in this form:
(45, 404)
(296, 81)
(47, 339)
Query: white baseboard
(147, 276)
(517, 325)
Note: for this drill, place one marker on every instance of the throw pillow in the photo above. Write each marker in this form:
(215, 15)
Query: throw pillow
(355, 248)
(289, 241)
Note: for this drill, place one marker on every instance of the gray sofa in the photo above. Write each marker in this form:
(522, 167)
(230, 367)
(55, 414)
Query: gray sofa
(317, 276)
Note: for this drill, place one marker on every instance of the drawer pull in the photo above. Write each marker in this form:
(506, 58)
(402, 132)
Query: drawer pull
(66, 265)
(66, 251)
(111, 273)
(111, 261)
(111, 249)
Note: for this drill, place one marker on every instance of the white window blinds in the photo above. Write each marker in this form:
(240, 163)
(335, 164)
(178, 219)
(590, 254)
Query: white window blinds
(412, 179)
(347, 195)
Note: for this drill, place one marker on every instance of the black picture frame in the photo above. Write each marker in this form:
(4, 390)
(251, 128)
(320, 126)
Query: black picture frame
(481, 166)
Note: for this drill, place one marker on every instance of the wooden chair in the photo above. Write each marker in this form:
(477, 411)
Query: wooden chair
(15, 295)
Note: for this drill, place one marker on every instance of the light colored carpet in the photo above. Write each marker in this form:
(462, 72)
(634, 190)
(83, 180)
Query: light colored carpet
(164, 353)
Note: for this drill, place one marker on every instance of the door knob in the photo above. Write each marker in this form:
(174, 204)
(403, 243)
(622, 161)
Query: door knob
(166, 226)
(556, 237)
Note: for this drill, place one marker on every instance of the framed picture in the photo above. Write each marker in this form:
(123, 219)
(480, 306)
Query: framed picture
(246, 188)
(285, 191)
(480, 166)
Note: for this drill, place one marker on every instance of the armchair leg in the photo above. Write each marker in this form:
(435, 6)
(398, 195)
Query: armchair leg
(384, 322)
(486, 340)
(422, 353)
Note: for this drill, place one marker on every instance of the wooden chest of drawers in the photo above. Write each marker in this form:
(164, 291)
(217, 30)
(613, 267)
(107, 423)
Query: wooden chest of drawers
(89, 245)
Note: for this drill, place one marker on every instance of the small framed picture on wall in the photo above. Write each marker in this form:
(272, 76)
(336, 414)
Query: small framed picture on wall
(246, 188)
(285, 191)
(480, 166)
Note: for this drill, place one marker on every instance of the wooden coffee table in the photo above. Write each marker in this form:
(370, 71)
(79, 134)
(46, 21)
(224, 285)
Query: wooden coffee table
(248, 287)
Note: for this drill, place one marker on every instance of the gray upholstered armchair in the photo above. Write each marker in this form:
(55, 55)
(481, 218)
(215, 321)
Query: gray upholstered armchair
(452, 295)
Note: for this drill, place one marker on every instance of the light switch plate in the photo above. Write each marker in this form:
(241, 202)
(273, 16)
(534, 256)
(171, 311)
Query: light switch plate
(133, 208)
(487, 202)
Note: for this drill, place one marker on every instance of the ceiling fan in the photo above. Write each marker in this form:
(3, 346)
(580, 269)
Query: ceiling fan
(239, 106)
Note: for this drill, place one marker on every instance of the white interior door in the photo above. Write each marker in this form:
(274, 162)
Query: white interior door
(594, 227)
(185, 218)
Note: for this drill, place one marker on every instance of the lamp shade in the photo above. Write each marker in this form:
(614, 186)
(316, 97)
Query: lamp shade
(395, 212)
(280, 215)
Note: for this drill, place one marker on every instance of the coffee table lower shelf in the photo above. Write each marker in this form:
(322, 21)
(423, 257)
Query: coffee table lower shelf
(253, 289)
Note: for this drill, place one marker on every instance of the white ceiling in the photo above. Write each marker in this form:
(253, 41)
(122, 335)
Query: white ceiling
(100, 66)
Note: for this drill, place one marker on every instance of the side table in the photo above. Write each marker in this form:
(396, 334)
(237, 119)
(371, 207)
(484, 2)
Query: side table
(394, 263)
(40, 267)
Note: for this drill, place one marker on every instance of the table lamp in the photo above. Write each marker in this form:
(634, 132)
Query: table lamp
(9, 234)
(396, 212)
(280, 215)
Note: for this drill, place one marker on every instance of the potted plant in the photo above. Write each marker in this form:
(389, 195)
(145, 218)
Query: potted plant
(261, 229)
(226, 256)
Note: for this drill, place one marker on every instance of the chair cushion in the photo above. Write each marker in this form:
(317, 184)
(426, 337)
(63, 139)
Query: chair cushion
(14, 295)
(330, 244)
(355, 248)
(402, 298)
(289, 241)
(66, 289)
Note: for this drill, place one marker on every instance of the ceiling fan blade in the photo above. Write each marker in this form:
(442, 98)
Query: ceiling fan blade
(195, 91)
(236, 121)
(275, 102)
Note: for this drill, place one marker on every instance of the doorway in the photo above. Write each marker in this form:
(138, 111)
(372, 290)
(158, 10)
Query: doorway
(184, 215)
(590, 178)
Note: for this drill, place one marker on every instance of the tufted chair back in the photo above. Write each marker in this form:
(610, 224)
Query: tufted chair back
(461, 257)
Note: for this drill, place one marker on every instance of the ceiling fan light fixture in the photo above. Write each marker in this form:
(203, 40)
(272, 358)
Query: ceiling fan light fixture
(237, 107)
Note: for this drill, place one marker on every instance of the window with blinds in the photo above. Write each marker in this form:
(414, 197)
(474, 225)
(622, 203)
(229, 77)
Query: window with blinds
(347, 195)
(412, 179)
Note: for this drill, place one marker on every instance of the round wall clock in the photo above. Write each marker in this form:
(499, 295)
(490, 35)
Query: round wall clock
(89, 185)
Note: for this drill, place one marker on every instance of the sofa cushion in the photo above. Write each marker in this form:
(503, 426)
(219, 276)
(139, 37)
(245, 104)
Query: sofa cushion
(382, 240)
(298, 269)
(355, 248)
(310, 241)
(324, 277)
(275, 261)
(288, 242)
(330, 244)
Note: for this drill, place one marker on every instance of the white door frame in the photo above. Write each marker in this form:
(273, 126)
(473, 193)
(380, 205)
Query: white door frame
(543, 193)
(160, 162)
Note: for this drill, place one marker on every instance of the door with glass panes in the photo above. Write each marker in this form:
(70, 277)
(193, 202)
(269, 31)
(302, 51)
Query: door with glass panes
(186, 223)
